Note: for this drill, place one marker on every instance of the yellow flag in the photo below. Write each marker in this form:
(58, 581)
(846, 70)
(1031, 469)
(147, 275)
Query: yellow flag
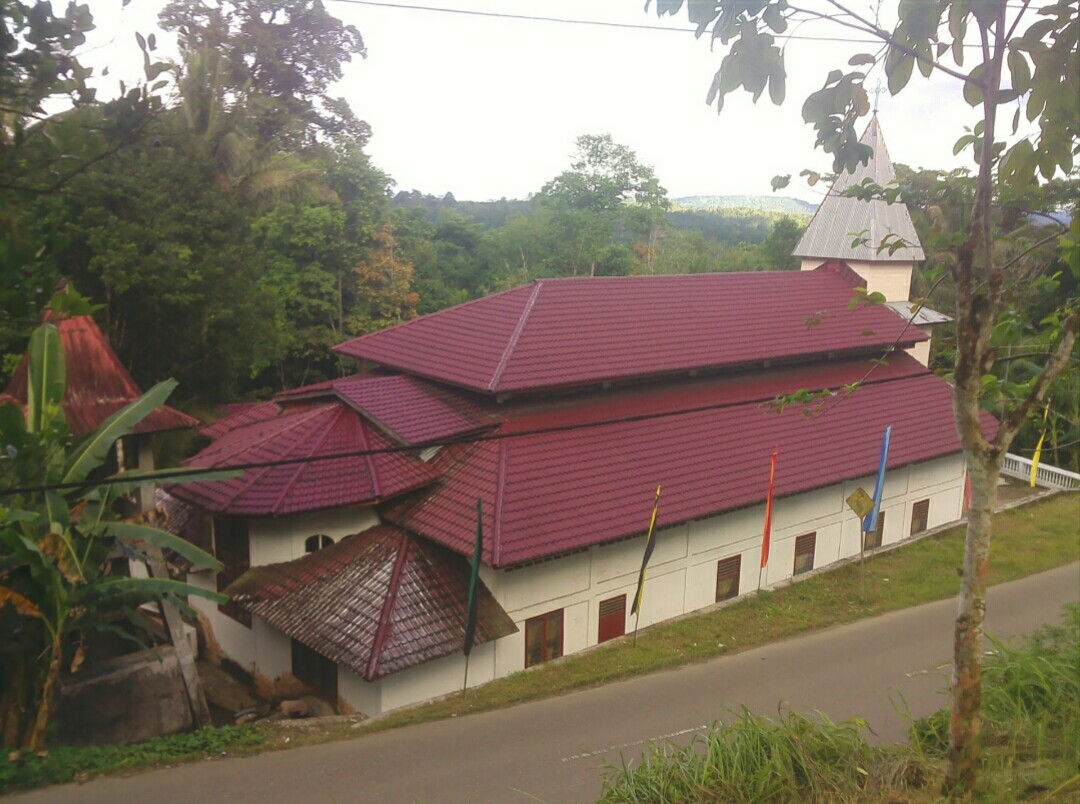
(1038, 448)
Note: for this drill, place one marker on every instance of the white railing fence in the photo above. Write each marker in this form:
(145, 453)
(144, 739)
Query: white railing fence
(1047, 476)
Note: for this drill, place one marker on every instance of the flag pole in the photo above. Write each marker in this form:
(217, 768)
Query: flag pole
(766, 531)
(650, 545)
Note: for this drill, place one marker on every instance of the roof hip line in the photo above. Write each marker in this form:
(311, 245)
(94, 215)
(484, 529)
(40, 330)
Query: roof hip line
(388, 607)
(504, 361)
(300, 466)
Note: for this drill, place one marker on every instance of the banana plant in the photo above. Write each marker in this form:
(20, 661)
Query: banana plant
(55, 543)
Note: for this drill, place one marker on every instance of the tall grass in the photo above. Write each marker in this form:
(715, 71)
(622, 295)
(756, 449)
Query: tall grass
(759, 759)
(1031, 728)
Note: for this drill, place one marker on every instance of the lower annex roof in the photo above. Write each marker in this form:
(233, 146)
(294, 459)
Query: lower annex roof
(378, 602)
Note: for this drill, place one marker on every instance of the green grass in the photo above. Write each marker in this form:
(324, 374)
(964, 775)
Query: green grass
(1027, 540)
(67, 764)
(1031, 734)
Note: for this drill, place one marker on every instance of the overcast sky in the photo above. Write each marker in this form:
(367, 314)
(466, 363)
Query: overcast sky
(487, 108)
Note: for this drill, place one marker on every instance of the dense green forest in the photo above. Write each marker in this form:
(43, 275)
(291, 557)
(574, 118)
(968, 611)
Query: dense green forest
(229, 221)
(226, 216)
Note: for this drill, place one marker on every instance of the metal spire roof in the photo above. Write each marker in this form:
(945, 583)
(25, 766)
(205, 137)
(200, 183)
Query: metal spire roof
(838, 220)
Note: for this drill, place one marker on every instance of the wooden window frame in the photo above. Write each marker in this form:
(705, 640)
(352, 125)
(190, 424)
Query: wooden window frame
(614, 617)
(319, 541)
(545, 621)
(804, 545)
(920, 516)
(724, 575)
(232, 547)
(872, 541)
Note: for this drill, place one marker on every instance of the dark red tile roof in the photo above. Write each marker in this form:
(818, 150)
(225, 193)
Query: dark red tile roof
(377, 602)
(240, 415)
(410, 410)
(554, 492)
(569, 332)
(319, 429)
(98, 385)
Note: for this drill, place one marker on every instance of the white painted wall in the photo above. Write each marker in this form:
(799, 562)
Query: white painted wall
(681, 578)
(891, 279)
(281, 538)
(271, 541)
(921, 351)
(236, 641)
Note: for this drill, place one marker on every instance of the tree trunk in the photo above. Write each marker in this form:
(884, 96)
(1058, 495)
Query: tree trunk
(36, 739)
(965, 687)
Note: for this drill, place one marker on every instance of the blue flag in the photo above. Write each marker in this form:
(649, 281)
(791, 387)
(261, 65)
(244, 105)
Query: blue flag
(870, 520)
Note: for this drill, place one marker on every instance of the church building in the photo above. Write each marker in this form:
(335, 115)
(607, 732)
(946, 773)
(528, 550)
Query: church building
(555, 410)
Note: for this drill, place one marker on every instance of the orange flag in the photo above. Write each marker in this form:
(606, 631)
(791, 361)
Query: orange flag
(766, 540)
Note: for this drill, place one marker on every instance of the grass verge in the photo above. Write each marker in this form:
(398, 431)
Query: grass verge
(1027, 540)
(68, 764)
(1031, 734)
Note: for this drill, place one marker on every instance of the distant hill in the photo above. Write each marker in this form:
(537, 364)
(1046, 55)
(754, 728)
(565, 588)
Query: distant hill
(764, 203)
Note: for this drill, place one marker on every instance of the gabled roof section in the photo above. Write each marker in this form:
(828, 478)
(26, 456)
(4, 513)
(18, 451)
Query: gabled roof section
(569, 475)
(309, 477)
(377, 602)
(838, 220)
(559, 333)
(408, 409)
(98, 385)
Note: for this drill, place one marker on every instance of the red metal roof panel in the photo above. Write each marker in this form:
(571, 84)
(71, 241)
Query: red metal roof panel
(409, 409)
(310, 479)
(240, 415)
(377, 602)
(582, 331)
(554, 492)
(98, 385)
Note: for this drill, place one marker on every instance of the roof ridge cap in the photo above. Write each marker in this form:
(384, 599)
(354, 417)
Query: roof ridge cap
(511, 344)
(338, 346)
(300, 466)
(369, 460)
(388, 606)
(256, 476)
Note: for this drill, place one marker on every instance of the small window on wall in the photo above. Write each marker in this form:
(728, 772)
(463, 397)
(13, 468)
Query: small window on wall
(727, 578)
(313, 543)
(316, 671)
(804, 552)
(612, 618)
(543, 638)
(232, 548)
(873, 539)
(920, 515)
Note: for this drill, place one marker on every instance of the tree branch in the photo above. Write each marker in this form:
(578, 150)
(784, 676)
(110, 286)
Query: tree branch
(880, 33)
(1037, 244)
(1011, 424)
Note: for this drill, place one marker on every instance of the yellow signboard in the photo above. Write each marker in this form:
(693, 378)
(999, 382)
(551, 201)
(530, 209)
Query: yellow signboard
(860, 502)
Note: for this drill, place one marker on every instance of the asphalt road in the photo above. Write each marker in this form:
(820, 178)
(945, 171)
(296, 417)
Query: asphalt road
(552, 750)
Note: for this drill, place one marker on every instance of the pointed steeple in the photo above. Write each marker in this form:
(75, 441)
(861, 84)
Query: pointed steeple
(839, 218)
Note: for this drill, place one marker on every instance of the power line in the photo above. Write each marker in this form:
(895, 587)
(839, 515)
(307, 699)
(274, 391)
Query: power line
(180, 474)
(591, 23)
